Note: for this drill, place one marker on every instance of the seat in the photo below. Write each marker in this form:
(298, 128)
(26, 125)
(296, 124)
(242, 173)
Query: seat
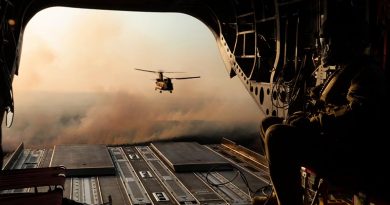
(53, 178)
(52, 197)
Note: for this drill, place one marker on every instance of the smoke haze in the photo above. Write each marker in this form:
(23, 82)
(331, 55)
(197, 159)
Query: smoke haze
(46, 119)
(77, 82)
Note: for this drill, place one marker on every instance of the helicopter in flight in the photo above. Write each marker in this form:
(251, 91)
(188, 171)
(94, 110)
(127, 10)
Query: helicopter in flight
(164, 83)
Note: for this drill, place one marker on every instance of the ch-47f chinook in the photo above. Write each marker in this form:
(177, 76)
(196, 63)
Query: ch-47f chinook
(164, 83)
(270, 45)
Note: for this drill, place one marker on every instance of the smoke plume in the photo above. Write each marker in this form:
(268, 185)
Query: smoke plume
(45, 119)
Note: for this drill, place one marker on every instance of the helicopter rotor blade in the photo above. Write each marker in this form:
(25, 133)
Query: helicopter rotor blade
(150, 71)
(184, 78)
(171, 72)
(159, 71)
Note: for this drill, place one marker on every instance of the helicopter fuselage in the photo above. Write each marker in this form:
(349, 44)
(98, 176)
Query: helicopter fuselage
(164, 85)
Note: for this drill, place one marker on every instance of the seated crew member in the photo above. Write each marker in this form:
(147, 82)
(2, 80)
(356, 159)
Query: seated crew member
(342, 138)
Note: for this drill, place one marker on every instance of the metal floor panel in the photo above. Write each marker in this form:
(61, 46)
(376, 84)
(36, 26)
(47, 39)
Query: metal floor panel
(143, 174)
(111, 187)
(202, 192)
(179, 192)
(189, 157)
(150, 181)
(133, 186)
(83, 160)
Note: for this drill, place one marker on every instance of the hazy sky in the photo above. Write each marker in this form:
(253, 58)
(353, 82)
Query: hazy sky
(77, 82)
